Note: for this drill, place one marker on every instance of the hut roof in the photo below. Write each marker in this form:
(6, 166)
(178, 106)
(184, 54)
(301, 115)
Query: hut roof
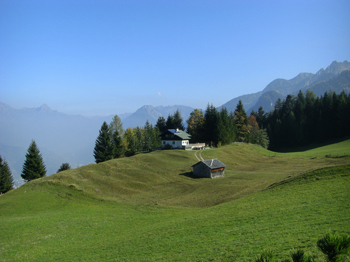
(211, 163)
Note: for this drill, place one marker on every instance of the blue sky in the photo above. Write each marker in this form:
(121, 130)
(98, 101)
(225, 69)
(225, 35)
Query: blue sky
(112, 57)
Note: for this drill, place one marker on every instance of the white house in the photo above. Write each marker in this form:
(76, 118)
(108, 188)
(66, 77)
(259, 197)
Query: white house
(175, 138)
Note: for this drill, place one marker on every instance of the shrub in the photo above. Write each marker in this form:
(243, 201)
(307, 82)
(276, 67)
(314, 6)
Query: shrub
(334, 246)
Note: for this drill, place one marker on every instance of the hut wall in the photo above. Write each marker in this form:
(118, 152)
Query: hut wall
(217, 172)
(201, 170)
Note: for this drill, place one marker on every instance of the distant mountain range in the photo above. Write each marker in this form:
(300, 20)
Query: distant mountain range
(62, 138)
(65, 138)
(324, 80)
(152, 114)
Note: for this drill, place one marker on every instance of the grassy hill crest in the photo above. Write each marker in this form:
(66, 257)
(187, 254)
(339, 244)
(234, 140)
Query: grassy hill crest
(149, 208)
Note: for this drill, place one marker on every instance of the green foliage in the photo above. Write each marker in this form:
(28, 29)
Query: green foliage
(173, 122)
(161, 124)
(195, 126)
(33, 166)
(299, 256)
(117, 145)
(306, 119)
(6, 179)
(64, 166)
(241, 122)
(103, 150)
(334, 246)
(116, 125)
(266, 256)
(178, 122)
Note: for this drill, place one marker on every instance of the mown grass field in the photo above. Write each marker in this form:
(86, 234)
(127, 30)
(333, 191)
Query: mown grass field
(149, 208)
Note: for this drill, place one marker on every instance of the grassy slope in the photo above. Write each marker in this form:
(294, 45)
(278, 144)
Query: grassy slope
(66, 216)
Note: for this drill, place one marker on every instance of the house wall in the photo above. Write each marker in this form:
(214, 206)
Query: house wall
(201, 170)
(172, 143)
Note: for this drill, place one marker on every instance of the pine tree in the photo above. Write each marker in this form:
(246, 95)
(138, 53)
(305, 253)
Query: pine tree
(161, 124)
(116, 125)
(6, 180)
(241, 122)
(117, 144)
(64, 166)
(178, 122)
(103, 147)
(33, 166)
(211, 121)
(170, 122)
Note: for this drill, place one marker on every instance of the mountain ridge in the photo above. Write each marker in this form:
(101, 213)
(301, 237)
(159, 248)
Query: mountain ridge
(283, 87)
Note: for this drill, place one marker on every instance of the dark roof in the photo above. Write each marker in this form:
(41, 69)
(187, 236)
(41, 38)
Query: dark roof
(179, 133)
(212, 163)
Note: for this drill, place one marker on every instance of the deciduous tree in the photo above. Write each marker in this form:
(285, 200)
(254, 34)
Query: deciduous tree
(195, 125)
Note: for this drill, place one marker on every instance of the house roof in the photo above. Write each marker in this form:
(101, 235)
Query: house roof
(179, 133)
(211, 163)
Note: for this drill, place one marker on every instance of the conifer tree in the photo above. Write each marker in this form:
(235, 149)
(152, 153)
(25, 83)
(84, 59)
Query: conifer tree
(161, 124)
(103, 147)
(178, 122)
(6, 180)
(211, 120)
(241, 122)
(116, 125)
(64, 166)
(117, 144)
(33, 166)
(170, 122)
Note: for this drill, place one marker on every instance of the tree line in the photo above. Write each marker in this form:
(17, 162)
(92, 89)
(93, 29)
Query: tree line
(213, 127)
(296, 121)
(305, 119)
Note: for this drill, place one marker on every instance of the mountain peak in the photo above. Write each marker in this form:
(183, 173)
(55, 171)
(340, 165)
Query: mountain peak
(337, 67)
(4, 106)
(44, 108)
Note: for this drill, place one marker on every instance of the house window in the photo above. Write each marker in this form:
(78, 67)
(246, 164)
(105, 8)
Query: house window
(163, 142)
(173, 142)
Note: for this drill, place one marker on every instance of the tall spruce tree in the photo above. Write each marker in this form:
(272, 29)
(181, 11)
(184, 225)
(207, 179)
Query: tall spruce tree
(211, 120)
(6, 180)
(33, 166)
(161, 124)
(178, 122)
(117, 144)
(241, 122)
(103, 150)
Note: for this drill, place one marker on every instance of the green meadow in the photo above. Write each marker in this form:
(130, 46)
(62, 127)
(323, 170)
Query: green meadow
(149, 207)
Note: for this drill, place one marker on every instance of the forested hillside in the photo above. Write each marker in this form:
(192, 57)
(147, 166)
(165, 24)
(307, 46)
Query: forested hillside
(305, 119)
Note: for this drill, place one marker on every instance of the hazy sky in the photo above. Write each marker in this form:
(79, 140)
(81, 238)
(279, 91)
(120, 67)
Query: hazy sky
(112, 57)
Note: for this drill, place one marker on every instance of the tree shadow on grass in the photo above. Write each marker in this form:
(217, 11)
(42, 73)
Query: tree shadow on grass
(190, 175)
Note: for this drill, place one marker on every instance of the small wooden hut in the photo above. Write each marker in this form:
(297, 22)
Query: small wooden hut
(211, 168)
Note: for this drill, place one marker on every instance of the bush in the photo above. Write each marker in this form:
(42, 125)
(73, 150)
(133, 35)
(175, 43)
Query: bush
(334, 247)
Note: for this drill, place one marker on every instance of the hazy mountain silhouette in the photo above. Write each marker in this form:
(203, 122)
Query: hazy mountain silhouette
(280, 88)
